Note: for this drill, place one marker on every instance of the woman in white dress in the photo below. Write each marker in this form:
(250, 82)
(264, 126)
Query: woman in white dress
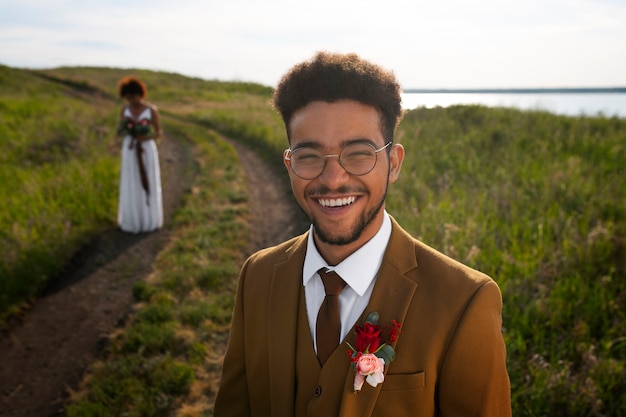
(140, 207)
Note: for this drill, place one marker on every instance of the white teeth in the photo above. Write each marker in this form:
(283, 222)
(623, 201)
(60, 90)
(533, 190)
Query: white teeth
(336, 202)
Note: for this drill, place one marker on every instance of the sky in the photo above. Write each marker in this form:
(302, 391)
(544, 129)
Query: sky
(427, 44)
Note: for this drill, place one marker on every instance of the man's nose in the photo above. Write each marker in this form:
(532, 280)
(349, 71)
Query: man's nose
(334, 172)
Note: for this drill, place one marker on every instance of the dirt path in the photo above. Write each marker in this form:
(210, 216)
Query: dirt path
(275, 213)
(43, 356)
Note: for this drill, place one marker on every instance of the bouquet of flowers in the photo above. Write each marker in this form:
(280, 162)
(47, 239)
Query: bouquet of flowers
(136, 129)
(370, 355)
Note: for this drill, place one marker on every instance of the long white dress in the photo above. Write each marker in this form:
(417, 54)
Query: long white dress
(140, 207)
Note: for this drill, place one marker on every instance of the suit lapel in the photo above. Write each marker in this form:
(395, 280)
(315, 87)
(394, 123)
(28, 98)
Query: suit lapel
(283, 318)
(391, 298)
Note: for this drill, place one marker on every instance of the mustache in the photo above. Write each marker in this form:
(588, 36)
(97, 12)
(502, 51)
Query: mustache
(323, 190)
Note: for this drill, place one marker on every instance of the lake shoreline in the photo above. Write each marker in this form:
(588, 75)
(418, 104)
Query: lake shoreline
(605, 102)
(577, 90)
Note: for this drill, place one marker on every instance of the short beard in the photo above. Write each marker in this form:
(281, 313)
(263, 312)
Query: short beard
(357, 231)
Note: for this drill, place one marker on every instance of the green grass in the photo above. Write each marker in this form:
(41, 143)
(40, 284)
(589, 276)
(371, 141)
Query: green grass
(186, 305)
(60, 160)
(58, 181)
(535, 200)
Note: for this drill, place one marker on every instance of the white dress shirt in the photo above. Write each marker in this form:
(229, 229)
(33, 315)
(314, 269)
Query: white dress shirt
(358, 270)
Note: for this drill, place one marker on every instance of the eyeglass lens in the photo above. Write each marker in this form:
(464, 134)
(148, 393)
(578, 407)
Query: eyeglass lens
(356, 159)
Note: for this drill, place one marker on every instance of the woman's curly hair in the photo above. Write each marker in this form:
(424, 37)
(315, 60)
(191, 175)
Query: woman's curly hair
(131, 85)
(332, 77)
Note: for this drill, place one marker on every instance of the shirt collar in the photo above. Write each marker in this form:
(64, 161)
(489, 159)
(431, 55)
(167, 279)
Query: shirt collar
(357, 270)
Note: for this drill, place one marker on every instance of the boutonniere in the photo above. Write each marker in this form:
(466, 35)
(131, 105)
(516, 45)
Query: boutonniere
(371, 354)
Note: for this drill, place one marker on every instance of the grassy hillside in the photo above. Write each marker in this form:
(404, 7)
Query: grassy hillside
(60, 158)
(538, 202)
(535, 200)
(58, 180)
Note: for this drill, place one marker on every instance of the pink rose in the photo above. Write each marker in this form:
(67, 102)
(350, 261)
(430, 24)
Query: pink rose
(369, 368)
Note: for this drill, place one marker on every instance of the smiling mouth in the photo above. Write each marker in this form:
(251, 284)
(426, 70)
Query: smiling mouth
(336, 202)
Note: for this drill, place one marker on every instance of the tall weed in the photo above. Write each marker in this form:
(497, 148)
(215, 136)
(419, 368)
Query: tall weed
(58, 181)
(525, 197)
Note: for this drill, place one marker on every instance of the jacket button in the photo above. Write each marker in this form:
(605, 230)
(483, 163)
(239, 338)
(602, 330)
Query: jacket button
(318, 391)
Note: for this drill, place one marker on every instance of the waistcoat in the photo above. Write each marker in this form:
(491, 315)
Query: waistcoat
(319, 390)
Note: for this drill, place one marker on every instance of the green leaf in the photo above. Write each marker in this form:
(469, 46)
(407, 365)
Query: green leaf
(373, 318)
(386, 353)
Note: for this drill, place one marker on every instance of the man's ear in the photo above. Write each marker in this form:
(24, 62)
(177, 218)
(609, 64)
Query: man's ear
(286, 161)
(396, 156)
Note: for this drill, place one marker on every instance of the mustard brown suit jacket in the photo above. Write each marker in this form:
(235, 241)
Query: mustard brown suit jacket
(450, 355)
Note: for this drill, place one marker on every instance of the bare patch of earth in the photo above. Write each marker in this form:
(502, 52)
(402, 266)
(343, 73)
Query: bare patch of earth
(44, 354)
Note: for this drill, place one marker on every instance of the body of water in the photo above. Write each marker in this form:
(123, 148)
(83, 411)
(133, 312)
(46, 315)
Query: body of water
(571, 104)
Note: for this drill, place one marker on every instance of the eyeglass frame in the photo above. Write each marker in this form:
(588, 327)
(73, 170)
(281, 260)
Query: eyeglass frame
(338, 156)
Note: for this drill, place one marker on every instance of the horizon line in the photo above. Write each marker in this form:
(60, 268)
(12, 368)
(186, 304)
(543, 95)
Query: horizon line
(539, 90)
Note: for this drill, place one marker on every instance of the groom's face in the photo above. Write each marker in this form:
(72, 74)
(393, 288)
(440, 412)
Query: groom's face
(345, 209)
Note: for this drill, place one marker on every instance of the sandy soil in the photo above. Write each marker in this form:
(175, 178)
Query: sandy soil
(44, 354)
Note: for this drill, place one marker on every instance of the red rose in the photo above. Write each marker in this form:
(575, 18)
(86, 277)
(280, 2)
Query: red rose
(367, 337)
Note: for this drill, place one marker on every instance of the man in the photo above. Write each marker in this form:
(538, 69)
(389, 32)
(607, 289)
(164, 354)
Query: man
(448, 358)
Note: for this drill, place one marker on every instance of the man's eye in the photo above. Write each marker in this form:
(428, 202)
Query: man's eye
(306, 157)
(356, 155)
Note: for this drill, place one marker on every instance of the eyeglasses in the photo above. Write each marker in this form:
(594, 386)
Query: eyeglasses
(357, 159)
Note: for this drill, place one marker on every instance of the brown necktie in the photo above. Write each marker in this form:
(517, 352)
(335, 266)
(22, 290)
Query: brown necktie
(328, 324)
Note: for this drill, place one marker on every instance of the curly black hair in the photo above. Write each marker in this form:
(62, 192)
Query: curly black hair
(132, 85)
(332, 77)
